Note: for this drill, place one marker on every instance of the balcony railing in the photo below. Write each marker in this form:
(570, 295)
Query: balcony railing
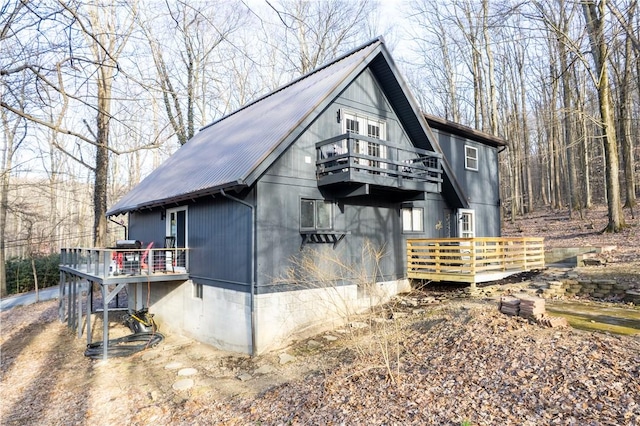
(124, 264)
(472, 260)
(354, 158)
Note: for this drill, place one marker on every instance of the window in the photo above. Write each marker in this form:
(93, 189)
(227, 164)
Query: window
(470, 158)
(316, 214)
(197, 290)
(412, 219)
(376, 129)
(467, 223)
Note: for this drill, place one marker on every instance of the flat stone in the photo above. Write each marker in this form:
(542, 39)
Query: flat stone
(330, 338)
(357, 324)
(187, 372)
(286, 358)
(245, 377)
(265, 369)
(173, 366)
(183, 384)
(314, 344)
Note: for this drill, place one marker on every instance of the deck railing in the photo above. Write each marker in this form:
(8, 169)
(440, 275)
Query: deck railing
(108, 263)
(472, 259)
(350, 156)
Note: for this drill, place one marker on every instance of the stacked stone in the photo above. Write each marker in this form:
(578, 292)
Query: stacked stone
(532, 307)
(603, 288)
(572, 287)
(586, 288)
(510, 305)
(554, 289)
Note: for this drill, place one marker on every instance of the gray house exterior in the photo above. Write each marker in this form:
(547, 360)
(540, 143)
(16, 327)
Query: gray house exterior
(337, 160)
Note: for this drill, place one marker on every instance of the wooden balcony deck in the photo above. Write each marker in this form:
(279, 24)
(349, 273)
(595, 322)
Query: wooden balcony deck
(357, 159)
(473, 260)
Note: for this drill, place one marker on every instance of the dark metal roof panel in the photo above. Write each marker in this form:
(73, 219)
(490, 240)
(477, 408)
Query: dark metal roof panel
(225, 153)
(464, 131)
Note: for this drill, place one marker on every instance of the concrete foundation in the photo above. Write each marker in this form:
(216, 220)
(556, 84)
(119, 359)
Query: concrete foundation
(222, 318)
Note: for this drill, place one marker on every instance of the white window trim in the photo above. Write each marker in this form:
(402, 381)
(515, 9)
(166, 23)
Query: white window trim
(472, 215)
(467, 158)
(415, 217)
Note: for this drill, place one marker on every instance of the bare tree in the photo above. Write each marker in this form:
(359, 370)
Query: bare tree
(313, 32)
(196, 33)
(84, 54)
(594, 15)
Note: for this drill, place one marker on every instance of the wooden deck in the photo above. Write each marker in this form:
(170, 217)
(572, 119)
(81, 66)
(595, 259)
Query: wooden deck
(473, 260)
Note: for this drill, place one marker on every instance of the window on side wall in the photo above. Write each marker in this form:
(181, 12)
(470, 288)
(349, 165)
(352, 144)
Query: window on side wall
(412, 219)
(316, 215)
(470, 158)
(197, 290)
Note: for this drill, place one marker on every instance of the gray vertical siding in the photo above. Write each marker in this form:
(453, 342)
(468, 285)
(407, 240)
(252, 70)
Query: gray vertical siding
(370, 220)
(147, 226)
(482, 186)
(220, 243)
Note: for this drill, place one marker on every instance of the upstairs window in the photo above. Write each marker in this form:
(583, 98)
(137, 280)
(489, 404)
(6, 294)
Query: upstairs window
(351, 124)
(370, 127)
(316, 215)
(470, 158)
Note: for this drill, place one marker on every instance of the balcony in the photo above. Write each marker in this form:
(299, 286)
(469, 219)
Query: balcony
(112, 270)
(472, 260)
(115, 266)
(351, 158)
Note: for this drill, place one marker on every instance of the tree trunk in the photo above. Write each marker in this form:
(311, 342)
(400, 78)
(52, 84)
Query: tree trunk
(625, 122)
(594, 15)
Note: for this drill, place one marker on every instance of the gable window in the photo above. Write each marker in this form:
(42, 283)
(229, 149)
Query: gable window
(470, 158)
(316, 214)
(412, 219)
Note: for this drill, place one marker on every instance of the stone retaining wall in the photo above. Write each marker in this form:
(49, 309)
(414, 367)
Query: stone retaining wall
(556, 285)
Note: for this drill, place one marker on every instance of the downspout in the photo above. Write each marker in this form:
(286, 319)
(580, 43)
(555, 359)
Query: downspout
(253, 266)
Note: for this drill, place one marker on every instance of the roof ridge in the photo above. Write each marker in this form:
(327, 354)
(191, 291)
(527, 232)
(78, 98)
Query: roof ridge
(297, 80)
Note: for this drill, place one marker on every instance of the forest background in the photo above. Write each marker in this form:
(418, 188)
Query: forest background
(95, 94)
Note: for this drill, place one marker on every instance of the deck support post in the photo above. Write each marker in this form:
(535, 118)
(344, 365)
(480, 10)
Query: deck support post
(105, 322)
(79, 311)
(89, 309)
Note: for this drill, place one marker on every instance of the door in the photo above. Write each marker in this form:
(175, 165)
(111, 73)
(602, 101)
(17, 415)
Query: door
(177, 227)
(466, 223)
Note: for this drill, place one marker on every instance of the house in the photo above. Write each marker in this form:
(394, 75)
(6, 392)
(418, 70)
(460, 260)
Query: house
(337, 160)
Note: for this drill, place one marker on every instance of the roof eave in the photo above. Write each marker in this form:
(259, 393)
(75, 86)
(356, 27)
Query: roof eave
(179, 199)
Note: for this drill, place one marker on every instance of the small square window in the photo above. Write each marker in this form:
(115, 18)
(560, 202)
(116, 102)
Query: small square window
(316, 215)
(197, 290)
(412, 219)
(470, 158)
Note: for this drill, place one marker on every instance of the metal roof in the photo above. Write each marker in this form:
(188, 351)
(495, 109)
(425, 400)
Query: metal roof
(233, 152)
(225, 153)
(464, 131)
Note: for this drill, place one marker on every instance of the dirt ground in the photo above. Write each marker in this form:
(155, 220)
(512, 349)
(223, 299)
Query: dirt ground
(434, 357)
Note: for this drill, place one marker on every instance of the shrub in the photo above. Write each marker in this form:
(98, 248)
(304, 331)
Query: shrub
(20, 274)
